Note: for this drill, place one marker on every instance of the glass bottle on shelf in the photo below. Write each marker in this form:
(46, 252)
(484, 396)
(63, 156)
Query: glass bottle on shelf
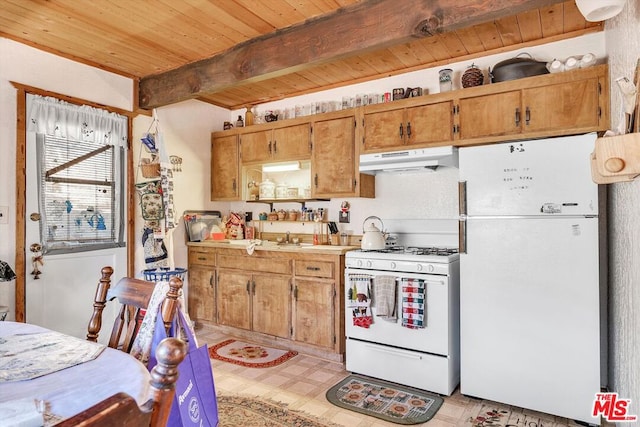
(239, 122)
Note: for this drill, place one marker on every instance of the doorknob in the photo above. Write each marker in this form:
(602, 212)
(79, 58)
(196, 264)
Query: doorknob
(34, 216)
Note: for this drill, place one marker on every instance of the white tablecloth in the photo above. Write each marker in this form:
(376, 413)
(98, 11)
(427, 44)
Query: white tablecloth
(77, 388)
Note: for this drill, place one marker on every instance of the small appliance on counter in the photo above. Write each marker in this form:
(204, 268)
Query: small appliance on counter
(203, 225)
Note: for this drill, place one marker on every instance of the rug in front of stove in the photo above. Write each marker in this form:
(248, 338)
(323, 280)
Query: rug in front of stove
(387, 401)
(249, 355)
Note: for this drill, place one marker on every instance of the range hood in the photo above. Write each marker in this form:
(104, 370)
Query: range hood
(428, 159)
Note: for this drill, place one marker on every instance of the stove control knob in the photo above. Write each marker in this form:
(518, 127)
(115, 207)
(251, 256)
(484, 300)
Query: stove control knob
(369, 264)
(431, 268)
(419, 267)
(359, 263)
(393, 265)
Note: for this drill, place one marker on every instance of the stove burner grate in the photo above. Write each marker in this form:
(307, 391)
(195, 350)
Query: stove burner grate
(438, 251)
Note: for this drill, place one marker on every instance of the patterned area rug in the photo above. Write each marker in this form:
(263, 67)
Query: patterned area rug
(249, 355)
(491, 414)
(234, 411)
(384, 400)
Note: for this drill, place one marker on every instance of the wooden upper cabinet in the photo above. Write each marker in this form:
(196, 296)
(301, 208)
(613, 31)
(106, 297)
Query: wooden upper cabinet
(292, 143)
(334, 161)
(225, 169)
(411, 126)
(275, 145)
(333, 165)
(256, 146)
(429, 124)
(566, 103)
(383, 130)
(561, 106)
(490, 115)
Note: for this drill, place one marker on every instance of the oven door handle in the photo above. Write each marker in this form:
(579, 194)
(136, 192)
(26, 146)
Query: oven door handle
(395, 352)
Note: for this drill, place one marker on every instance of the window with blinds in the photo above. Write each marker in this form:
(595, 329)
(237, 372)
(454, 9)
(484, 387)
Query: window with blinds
(80, 194)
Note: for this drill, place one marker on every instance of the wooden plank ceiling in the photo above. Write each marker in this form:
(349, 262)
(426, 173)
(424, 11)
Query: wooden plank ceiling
(236, 53)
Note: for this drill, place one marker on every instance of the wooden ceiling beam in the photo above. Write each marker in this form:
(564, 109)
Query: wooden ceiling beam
(362, 27)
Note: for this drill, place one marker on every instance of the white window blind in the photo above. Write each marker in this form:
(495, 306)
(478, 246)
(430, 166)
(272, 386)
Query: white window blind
(80, 186)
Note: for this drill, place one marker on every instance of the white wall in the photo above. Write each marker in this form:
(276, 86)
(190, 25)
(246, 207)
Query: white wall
(22, 64)
(623, 47)
(186, 128)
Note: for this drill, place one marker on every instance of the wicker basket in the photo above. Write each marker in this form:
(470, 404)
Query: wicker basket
(150, 170)
(156, 275)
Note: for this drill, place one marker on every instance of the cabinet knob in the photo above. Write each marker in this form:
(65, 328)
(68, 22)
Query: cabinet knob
(401, 131)
(614, 164)
(517, 117)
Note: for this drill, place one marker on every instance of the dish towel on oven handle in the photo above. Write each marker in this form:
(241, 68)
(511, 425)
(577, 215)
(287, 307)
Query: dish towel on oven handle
(414, 294)
(359, 300)
(384, 298)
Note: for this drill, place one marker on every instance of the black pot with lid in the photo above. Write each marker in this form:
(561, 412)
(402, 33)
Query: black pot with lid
(517, 68)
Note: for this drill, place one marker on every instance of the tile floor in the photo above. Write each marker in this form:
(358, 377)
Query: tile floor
(302, 382)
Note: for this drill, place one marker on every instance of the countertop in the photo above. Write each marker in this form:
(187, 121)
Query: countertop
(274, 246)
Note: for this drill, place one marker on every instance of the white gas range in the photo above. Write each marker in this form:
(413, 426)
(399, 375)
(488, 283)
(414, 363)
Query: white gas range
(419, 346)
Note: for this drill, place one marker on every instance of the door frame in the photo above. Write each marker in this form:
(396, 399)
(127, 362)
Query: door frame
(21, 185)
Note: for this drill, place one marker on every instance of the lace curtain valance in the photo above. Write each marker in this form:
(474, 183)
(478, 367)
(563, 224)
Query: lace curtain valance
(52, 116)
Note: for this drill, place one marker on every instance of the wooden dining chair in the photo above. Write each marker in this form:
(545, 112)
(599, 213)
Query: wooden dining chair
(121, 410)
(133, 296)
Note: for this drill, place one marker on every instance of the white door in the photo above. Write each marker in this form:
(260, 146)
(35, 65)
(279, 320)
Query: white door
(529, 314)
(62, 297)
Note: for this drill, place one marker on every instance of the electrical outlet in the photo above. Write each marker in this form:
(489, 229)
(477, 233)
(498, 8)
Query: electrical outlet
(4, 214)
(343, 216)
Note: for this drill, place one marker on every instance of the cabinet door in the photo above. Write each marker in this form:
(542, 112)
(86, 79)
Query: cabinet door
(571, 105)
(491, 115)
(256, 146)
(201, 293)
(384, 130)
(292, 143)
(233, 299)
(314, 321)
(333, 164)
(429, 123)
(225, 170)
(271, 304)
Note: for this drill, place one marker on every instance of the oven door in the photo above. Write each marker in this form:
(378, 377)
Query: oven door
(433, 338)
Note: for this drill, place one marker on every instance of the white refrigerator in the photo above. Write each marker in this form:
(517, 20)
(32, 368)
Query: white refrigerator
(532, 276)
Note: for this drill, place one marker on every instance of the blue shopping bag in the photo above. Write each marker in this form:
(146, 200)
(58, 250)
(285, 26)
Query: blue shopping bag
(194, 403)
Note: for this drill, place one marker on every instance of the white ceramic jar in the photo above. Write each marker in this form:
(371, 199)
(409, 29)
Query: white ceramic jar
(267, 189)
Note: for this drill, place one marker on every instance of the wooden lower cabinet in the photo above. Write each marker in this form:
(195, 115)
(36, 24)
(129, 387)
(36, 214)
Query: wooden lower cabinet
(256, 302)
(313, 315)
(234, 299)
(201, 300)
(271, 301)
(287, 299)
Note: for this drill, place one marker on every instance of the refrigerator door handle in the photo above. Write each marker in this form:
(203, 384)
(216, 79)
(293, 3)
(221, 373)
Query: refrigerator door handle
(462, 198)
(462, 235)
(462, 221)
